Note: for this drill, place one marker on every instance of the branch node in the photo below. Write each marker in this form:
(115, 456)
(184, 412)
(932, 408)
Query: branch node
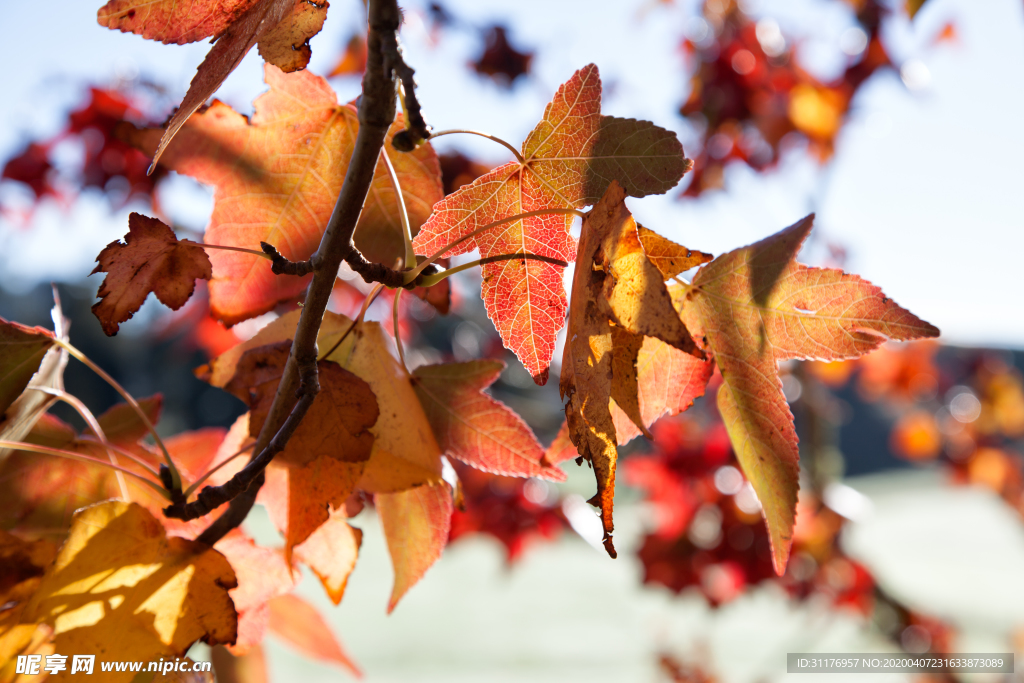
(282, 266)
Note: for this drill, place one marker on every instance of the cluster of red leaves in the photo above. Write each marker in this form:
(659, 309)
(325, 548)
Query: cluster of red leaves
(503, 507)
(105, 158)
(747, 92)
(498, 60)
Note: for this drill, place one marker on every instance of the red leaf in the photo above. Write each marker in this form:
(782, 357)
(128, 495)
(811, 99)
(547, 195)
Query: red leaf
(151, 259)
(300, 625)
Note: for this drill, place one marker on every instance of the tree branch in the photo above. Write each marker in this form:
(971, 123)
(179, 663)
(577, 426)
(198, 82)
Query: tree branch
(376, 113)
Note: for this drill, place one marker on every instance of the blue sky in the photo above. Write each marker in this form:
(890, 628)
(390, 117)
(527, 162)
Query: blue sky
(924, 189)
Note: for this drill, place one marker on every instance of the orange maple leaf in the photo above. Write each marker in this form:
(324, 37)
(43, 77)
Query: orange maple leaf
(475, 428)
(151, 259)
(756, 306)
(283, 29)
(277, 176)
(566, 162)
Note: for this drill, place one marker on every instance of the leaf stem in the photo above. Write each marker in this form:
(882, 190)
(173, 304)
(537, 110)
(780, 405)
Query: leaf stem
(94, 424)
(403, 212)
(432, 280)
(225, 247)
(191, 489)
(86, 414)
(175, 475)
(398, 336)
(411, 275)
(519, 157)
(71, 455)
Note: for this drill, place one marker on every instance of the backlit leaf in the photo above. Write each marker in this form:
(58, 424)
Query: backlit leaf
(618, 298)
(416, 524)
(475, 428)
(151, 259)
(302, 626)
(569, 159)
(22, 350)
(331, 552)
(756, 306)
(277, 176)
(172, 21)
(123, 590)
(336, 424)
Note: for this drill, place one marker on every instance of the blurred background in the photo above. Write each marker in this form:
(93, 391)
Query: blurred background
(897, 123)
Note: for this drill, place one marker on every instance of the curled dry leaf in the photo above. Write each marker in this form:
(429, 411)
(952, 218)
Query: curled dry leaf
(302, 626)
(121, 587)
(618, 298)
(276, 178)
(756, 306)
(286, 45)
(568, 161)
(475, 428)
(416, 524)
(151, 259)
(22, 350)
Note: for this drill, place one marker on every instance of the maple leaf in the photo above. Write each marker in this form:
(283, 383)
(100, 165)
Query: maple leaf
(618, 298)
(756, 306)
(303, 627)
(416, 524)
(22, 350)
(331, 552)
(120, 586)
(338, 421)
(262, 574)
(151, 259)
(277, 176)
(405, 452)
(568, 161)
(475, 428)
(282, 28)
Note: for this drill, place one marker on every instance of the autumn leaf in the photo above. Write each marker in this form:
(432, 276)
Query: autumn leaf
(475, 428)
(249, 668)
(18, 418)
(338, 421)
(262, 575)
(405, 451)
(123, 590)
(282, 28)
(618, 298)
(151, 259)
(331, 552)
(416, 525)
(39, 493)
(22, 565)
(22, 350)
(276, 178)
(756, 306)
(568, 161)
(171, 21)
(302, 626)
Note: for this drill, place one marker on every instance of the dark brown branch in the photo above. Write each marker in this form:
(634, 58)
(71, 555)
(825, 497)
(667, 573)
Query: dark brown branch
(282, 266)
(376, 113)
(416, 128)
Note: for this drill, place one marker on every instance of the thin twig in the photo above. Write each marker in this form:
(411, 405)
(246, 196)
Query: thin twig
(410, 276)
(175, 475)
(432, 280)
(71, 455)
(210, 472)
(507, 145)
(416, 128)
